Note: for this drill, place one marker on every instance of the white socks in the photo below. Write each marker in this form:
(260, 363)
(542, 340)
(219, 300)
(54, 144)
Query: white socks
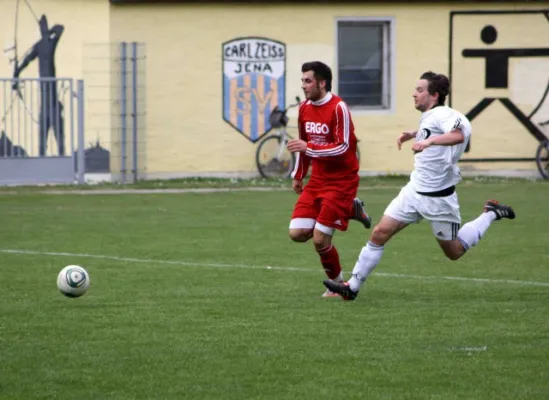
(367, 260)
(471, 233)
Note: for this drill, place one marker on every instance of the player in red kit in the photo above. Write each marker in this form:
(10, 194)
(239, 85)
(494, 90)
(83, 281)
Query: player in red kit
(327, 142)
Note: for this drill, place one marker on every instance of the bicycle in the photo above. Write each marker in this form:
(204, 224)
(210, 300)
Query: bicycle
(272, 158)
(542, 155)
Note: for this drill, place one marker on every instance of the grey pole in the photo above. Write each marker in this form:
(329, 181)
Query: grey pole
(80, 105)
(123, 100)
(134, 110)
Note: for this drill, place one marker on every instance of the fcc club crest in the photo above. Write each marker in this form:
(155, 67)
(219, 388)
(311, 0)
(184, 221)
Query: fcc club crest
(254, 82)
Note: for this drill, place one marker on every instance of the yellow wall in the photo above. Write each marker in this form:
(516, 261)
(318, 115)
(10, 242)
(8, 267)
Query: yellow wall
(186, 133)
(186, 129)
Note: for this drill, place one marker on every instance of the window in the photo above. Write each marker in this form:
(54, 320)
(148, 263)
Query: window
(364, 70)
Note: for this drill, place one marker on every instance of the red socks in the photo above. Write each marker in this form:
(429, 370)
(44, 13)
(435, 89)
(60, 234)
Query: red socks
(330, 261)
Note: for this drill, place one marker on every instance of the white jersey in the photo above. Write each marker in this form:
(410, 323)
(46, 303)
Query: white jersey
(435, 168)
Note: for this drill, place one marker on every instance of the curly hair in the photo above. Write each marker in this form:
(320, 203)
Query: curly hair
(438, 83)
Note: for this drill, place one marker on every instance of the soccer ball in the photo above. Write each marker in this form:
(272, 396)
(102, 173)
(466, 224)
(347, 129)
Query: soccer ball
(73, 281)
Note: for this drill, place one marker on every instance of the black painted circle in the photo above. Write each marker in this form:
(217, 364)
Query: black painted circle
(489, 34)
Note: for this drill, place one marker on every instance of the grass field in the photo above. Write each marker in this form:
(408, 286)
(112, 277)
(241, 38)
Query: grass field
(182, 304)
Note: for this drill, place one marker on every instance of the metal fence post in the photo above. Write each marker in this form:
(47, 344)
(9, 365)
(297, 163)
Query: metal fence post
(134, 110)
(123, 105)
(80, 158)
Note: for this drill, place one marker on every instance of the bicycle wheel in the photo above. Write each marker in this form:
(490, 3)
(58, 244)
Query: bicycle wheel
(542, 159)
(267, 159)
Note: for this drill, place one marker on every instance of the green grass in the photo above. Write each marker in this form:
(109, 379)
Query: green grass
(185, 308)
(200, 182)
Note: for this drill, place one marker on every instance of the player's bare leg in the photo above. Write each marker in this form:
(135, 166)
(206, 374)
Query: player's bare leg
(471, 233)
(300, 234)
(453, 249)
(368, 259)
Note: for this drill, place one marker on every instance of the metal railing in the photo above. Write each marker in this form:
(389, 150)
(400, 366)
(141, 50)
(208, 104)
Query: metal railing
(116, 140)
(41, 130)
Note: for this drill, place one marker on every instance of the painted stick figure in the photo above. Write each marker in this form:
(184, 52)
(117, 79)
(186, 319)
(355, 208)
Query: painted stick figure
(497, 60)
(497, 76)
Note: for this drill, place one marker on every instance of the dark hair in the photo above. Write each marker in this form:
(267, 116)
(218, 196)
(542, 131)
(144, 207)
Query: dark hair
(322, 72)
(438, 83)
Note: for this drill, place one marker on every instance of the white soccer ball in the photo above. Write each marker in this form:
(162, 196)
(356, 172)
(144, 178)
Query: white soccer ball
(73, 281)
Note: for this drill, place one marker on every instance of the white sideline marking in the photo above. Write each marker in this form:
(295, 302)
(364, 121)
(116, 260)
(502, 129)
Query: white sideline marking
(150, 261)
(268, 267)
(470, 349)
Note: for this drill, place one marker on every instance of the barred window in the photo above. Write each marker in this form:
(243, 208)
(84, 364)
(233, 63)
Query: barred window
(364, 53)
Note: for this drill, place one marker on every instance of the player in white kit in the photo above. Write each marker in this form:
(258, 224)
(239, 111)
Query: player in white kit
(442, 137)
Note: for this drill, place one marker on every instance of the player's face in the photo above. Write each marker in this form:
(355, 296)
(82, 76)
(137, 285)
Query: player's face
(312, 89)
(422, 98)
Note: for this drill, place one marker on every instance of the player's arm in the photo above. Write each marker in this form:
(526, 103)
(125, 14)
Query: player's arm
(341, 125)
(302, 160)
(404, 137)
(455, 134)
(455, 129)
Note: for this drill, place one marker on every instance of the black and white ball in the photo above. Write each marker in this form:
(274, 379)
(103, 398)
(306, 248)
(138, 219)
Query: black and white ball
(73, 281)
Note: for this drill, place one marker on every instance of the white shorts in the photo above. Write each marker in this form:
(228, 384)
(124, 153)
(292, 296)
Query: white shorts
(442, 212)
(310, 223)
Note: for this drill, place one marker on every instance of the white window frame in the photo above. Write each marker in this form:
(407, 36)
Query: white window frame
(389, 47)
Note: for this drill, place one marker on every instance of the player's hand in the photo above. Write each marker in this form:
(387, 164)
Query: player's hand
(297, 185)
(404, 137)
(420, 146)
(297, 146)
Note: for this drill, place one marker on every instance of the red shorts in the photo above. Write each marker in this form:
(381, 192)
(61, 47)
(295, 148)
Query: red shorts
(328, 207)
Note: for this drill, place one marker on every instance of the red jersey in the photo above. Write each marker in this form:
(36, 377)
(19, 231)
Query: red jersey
(327, 127)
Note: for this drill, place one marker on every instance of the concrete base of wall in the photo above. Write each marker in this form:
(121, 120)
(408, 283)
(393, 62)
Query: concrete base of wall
(510, 173)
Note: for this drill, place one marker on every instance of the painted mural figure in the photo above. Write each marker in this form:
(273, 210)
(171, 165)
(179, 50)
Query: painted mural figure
(51, 109)
(497, 76)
